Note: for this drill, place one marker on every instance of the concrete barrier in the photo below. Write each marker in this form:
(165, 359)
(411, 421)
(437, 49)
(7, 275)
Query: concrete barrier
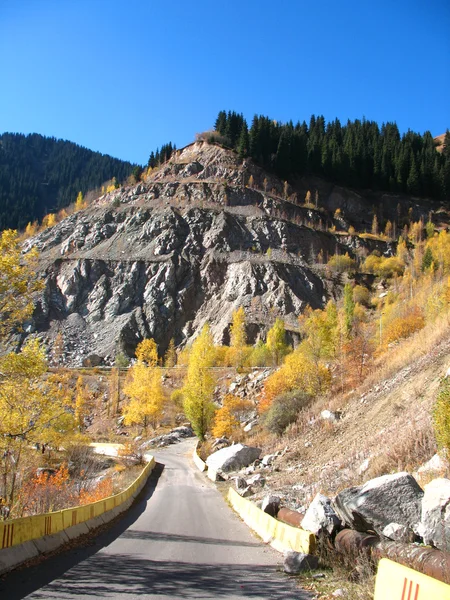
(280, 536)
(27, 537)
(396, 582)
(199, 463)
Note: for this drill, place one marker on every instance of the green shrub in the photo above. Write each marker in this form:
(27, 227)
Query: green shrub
(341, 263)
(122, 361)
(361, 295)
(284, 410)
(441, 415)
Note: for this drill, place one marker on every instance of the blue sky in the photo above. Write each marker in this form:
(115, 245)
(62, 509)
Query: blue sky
(124, 77)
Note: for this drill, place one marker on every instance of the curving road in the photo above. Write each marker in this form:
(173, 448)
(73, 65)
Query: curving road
(179, 540)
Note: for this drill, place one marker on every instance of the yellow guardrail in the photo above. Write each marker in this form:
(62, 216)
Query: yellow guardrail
(199, 463)
(396, 582)
(280, 536)
(18, 531)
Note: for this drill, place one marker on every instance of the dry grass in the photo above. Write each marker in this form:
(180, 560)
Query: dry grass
(353, 573)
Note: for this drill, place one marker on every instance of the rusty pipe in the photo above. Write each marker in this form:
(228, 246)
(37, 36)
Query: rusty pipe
(424, 559)
(291, 517)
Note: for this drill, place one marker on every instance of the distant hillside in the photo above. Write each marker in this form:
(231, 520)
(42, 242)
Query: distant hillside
(40, 174)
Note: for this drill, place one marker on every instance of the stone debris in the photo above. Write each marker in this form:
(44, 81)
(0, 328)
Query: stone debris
(297, 562)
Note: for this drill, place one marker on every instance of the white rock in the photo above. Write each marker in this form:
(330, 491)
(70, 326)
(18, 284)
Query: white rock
(320, 516)
(363, 466)
(435, 522)
(436, 463)
(398, 533)
(268, 459)
(233, 458)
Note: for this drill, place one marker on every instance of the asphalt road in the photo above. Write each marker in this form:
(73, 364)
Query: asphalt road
(179, 540)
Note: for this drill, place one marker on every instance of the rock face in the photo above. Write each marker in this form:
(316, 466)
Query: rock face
(232, 458)
(190, 245)
(320, 517)
(435, 523)
(388, 499)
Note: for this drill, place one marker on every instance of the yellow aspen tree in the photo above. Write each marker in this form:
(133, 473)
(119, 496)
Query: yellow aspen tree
(238, 338)
(308, 197)
(276, 341)
(199, 384)
(146, 394)
(114, 391)
(79, 202)
(375, 225)
(33, 411)
(31, 229)
(58, 350)
(81, 402)
(18, 282)
(388, 230)
(147, 352)
(170, 359)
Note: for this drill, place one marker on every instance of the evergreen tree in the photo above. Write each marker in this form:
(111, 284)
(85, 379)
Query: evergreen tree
(244, 142)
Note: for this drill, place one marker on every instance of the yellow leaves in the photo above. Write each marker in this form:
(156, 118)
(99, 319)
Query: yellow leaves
(276, 341)
(341, 263)
(147, 396)
(404, 325)
(17, 282)
(81, 402)
(226, 419)
(199, 383)
(29, 404)
(170, 358)
(384, 267)
(31, 229)
(238, 337)
(299, 371)
(147, 352)
(79, 202)
(49, 221)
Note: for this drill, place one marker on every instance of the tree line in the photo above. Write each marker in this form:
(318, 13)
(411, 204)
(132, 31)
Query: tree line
(39, 175)
(358, 154)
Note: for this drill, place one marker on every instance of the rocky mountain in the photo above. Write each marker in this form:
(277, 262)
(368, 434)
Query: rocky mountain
(205, 234)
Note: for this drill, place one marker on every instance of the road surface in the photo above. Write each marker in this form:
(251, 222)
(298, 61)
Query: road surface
(179, 540)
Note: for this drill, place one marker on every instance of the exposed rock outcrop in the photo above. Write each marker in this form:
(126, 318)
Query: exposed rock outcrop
(190, 245)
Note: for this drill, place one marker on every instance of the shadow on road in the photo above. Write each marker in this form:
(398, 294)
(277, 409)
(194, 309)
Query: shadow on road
(121, 576)
(134, 534)
(24, 581)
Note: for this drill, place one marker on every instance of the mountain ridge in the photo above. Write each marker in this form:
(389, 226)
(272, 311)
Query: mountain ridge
(198, 239)
(40, 174)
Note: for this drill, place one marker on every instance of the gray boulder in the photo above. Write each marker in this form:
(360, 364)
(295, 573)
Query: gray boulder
(399, 533)
(232, 458)
(297, 562)
(257, 479)
(271, 505)
(321, 517)
(435, 523)
(388, 499)
(245, 492)
(240, 483)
